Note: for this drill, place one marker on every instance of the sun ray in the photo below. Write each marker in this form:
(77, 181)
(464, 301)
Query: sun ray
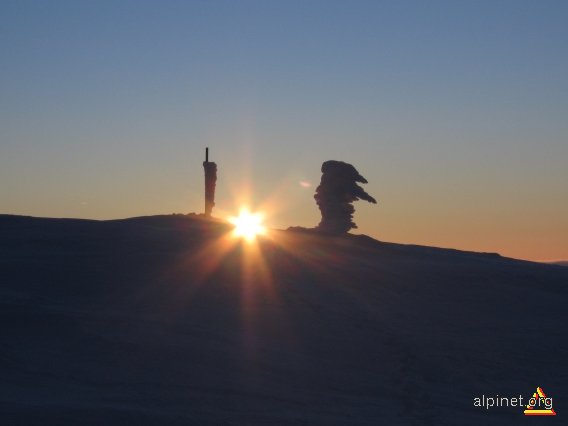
(247, 225)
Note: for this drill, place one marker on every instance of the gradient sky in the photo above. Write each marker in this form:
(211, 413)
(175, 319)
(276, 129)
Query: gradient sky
(455, 111)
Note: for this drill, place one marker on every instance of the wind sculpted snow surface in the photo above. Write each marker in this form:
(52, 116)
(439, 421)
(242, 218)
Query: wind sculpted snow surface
(165, 321)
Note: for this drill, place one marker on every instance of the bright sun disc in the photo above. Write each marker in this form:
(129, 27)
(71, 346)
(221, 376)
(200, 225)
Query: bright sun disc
(247, 225)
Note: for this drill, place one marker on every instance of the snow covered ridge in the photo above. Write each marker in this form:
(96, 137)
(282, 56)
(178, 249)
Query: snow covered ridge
(146, 321)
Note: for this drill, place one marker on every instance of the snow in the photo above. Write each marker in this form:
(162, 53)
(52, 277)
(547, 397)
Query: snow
(142, 321)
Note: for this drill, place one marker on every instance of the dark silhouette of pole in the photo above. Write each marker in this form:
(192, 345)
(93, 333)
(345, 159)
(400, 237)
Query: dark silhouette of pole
(210, 169)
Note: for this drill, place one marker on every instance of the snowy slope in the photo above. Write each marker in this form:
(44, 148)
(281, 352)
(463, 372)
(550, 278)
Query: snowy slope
(165, 320)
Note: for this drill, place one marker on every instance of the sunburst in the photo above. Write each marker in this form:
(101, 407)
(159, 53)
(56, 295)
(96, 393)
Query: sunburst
(247, 225)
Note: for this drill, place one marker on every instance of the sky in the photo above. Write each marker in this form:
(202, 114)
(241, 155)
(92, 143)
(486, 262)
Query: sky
(455, 112)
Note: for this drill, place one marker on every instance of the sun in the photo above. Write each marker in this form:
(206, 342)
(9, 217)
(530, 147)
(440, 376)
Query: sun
(247, 225)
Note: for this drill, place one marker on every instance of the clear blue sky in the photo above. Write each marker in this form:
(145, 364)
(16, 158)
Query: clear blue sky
(455, 111)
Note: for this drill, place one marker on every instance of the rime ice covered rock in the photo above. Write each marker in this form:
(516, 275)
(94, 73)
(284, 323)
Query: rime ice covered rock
(337, 191)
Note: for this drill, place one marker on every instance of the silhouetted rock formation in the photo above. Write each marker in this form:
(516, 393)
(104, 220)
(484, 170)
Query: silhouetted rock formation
(210, 169)
(335, 195)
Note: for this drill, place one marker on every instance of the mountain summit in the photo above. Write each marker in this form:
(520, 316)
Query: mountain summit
(168, 320)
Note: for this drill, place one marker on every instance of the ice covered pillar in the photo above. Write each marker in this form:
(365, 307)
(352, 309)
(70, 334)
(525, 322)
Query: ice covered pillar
(210, 169)
(335, 196)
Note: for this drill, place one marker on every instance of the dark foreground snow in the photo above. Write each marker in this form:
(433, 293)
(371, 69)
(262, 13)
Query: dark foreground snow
(158, 321)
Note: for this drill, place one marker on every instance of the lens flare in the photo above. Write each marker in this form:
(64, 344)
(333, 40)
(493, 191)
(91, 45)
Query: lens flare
(247, 225)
